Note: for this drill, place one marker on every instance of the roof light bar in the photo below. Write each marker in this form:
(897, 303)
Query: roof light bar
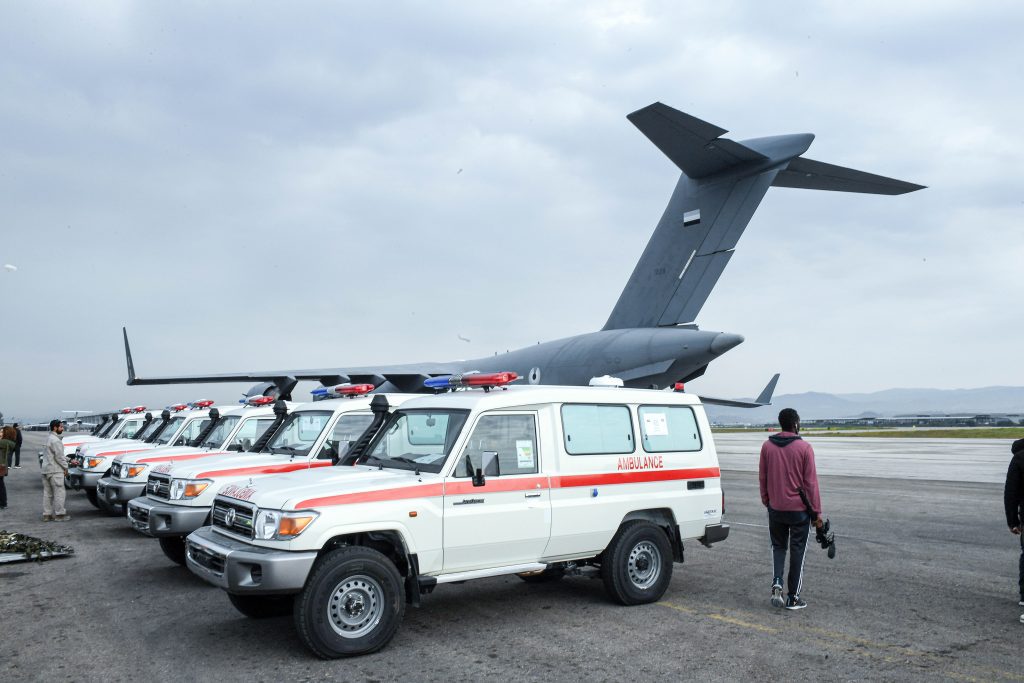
(260, 400)
(205, 403)
(126, 411)
(471, 379)
(139, 409)
(679, 387)
(346, 389)
(178, 407)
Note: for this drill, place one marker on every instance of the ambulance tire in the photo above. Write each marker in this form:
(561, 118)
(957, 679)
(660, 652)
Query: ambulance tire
(174, 548)
(546, 575)
(263, 606)
(352, 604)
(93, 498)
(636, 567)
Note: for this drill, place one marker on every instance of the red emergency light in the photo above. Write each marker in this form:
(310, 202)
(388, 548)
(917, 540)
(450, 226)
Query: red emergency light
(126, 411)
(679, 386)
(205, 403)
(352, 389)
(178, 407)
(261, 400)
(139, 409)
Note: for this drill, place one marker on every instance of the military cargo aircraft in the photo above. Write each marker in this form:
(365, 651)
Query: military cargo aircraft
(650, 340)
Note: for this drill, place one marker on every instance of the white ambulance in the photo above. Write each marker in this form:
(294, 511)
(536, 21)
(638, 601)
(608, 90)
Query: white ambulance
(229, 430)
(538, 481)
(312, 436)
(180, 424)
(124, 425)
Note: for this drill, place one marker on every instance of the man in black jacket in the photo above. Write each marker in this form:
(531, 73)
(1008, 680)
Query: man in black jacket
(1013, 498)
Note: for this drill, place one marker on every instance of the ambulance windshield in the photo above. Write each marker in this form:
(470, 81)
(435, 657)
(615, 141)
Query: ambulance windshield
(299, 432)
(417, 439)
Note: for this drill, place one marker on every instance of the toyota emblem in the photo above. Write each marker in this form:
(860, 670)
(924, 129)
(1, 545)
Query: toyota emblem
(229, 517)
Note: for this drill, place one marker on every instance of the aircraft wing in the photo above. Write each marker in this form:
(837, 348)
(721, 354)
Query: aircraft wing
(763, 399)
(405, 378)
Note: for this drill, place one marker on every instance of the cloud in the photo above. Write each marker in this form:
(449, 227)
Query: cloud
(256, 187)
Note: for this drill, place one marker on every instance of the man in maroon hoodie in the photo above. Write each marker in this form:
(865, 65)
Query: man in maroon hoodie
(786, 469)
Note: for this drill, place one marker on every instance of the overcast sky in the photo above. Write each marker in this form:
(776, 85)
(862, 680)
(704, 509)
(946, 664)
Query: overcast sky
(267, 185)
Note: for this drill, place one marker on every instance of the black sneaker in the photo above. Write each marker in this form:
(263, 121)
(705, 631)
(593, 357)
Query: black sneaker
(795, 602)
(777, 600)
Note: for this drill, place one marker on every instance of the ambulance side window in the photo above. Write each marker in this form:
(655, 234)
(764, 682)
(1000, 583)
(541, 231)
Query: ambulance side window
(346, 431)
(130, 428)
(668, 428)
(191, 431)
(513, 437)
(597, 429)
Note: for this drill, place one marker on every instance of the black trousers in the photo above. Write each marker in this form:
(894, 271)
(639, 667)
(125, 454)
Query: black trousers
(3, 493)
(1020, 573)
(17, 456)
(788, 531)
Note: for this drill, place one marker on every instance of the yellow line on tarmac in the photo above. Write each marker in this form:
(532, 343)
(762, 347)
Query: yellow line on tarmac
(894, 654)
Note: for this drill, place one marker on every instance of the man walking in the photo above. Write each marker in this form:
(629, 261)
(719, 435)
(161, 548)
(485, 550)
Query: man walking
(786, 471)
(17, 446)
(1013, 497)
(55, 468)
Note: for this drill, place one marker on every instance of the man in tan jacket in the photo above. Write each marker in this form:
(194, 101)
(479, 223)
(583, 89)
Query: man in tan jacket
(55, 468)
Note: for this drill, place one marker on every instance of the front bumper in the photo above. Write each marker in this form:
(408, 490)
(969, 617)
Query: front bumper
(160, 520)
(243, 568)
(120, 492)
(81, 479)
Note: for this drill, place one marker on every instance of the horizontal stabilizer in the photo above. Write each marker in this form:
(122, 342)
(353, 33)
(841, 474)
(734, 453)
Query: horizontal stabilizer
(809, 174)
(763, 399)
(692, 145)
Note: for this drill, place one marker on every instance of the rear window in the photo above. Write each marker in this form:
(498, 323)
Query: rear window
(597, 429)
(668, 428)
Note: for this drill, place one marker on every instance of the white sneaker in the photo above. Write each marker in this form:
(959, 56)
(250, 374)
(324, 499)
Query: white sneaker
(1022, 618)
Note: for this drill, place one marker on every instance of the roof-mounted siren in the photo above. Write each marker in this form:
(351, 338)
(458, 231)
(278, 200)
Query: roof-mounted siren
(178, 407)
(680, 387)
(467, 380)
(606, 381)
(346, 389)
(260, 400)
(139, 409)
(126, 411)
(203, 403)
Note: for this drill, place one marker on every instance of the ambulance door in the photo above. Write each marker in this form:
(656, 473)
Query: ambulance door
(507, 520)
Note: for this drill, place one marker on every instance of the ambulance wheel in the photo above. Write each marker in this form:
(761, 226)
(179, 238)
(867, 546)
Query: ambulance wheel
(637, 565)
(547, 575)
(352, 604)
(91, 495)
(174, 548)
(263, 606)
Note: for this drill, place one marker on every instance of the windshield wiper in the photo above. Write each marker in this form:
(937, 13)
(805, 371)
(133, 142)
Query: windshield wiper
(287, 449)
(402, 458)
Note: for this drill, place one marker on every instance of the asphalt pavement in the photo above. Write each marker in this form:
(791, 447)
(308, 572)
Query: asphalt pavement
(923, 588)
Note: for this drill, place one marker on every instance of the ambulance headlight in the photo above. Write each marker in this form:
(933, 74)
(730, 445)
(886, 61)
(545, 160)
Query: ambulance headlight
(278, 525)
(187, 488)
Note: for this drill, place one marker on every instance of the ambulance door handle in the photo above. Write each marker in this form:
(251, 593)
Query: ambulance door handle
(536, 494)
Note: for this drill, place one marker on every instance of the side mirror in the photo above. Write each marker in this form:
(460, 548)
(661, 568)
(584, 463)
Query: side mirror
(477, 475)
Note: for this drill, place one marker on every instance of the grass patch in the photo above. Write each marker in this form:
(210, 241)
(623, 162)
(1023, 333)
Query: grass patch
(952, 433)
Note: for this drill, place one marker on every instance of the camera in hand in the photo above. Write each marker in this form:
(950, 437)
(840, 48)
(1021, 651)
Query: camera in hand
(826, 538)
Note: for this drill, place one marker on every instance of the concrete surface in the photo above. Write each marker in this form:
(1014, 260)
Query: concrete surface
(923, 588)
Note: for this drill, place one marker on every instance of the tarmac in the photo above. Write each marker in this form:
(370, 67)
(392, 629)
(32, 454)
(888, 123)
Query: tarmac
(924, 587)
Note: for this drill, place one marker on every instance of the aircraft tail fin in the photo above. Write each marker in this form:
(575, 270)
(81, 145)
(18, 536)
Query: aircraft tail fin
(721, 186)
(128, 357)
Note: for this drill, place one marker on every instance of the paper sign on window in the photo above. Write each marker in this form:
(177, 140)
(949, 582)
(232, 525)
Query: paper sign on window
(655, 424)
(524, 454)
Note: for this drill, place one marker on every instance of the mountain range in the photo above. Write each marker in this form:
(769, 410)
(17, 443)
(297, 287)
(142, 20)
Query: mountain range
(815, 405)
